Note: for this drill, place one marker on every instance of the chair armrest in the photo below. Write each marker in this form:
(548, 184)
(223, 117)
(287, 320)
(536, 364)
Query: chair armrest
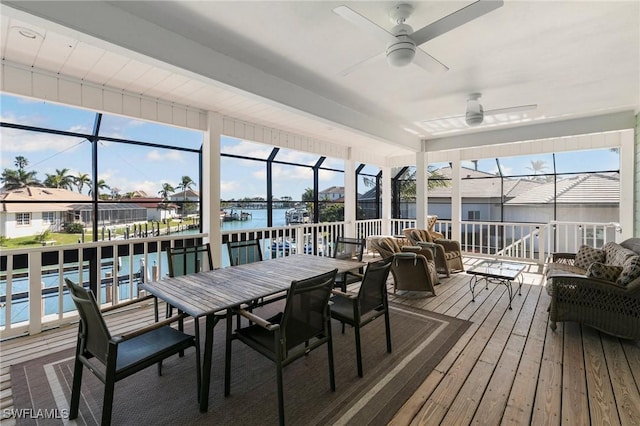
(448, 245)
(581, 282)
(149, 328)
(435, 235)
(127, 303)
(563, 256)
(257, 320)
(343, 294)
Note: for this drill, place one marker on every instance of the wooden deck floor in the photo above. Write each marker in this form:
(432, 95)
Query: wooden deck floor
(508, 368)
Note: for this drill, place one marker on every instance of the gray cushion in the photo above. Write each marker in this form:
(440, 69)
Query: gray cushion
(587, 255)
(630, 271)
(604, 272)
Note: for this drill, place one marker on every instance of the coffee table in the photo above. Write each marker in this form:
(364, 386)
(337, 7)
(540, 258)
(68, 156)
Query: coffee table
(496, 272)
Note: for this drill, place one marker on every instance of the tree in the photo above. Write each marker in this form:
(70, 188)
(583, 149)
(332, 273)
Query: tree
(185, 184)
(20, 178)
(61, 179)
(407, 186)
(81, 180)
(537, 166)
(308, 195)
(100, 185)
(164, 193)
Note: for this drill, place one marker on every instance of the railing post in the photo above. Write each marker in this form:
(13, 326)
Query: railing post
(35, 292)
(541, 245)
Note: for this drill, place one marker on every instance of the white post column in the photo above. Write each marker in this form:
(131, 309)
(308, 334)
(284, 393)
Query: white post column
(422, 185)
(350, 198)
(456, 198)
(210, 193)
(627, 181)
(386, 200)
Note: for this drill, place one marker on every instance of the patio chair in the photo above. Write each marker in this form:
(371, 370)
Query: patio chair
(370, 303)
(388, 247)
(448, 254)
(242, 252)
(183, 261)
(412, 271)
(348, 249)
(114, 358)
(303, 326)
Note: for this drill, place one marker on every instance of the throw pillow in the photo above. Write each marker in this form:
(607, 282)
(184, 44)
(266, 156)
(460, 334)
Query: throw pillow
(604, 272)
(630, 271)
(587, 255)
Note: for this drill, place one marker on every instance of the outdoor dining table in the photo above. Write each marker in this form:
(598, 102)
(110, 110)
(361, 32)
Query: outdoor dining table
(213, 294)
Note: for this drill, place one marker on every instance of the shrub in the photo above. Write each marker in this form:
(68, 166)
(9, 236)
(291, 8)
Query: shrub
(73, 228)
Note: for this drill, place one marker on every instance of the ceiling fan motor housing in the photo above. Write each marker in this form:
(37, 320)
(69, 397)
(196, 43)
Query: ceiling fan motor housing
(475, 113)
(401, 52)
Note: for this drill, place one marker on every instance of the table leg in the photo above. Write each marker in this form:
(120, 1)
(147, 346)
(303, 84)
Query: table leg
(196, 325)
(227, 354)
(206, 365)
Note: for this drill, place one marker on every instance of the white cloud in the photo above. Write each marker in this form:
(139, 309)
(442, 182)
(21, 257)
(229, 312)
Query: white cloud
(156, 155)
(19, 142)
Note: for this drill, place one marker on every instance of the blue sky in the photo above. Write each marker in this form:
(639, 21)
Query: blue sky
(131, 168)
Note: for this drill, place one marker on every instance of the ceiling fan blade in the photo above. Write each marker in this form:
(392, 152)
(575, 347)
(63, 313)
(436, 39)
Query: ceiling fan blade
(360, 21)
(353, 67)
(428, 62)
(454, 20)
(508, 110)
(450, 117)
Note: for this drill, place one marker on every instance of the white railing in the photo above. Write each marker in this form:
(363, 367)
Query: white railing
(40, 271)
(34, 297)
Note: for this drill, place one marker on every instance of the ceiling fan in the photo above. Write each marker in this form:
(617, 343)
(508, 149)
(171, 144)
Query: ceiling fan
(475, 113)
(402, 41)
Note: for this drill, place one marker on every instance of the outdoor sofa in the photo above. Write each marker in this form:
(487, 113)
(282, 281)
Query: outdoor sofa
(597, 287)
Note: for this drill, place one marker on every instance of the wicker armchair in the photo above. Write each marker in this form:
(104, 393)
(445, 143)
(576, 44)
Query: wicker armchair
(448, 254)
(413, 270)
(577, 295)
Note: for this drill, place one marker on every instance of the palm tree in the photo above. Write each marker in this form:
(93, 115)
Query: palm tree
(61, 179)
(100, 185)
(165, 191)
(185, 184)
(13, 179)
(81, 180)
(537, 166)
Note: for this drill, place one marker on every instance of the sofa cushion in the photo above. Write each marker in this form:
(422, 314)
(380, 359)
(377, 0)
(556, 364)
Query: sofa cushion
(560, 268)
(587, 255)
(615, 254)
(604, 272)
(630, 271)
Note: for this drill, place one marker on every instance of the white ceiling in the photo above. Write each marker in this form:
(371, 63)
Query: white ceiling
(279, 64)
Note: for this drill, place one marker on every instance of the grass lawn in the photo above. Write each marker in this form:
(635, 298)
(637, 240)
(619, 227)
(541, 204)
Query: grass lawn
(62, 238)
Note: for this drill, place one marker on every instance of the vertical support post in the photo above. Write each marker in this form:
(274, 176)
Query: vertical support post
(210, 186)
(422, 185)
(35, 292)
(386, 200)
(350, 197)
(456, 197)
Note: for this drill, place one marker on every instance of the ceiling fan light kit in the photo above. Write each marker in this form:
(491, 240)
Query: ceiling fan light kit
(475, 112)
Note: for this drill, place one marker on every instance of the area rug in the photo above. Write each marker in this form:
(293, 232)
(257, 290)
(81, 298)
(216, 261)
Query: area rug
(420, 339)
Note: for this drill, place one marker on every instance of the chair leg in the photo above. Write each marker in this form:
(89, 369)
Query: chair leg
(387, 327)
(280, 391)
(332, 375)
(75, 390)
(107, 403)
(358, 350)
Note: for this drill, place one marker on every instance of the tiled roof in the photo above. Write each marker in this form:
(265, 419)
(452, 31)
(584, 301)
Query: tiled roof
(595, 188)
(34, 193)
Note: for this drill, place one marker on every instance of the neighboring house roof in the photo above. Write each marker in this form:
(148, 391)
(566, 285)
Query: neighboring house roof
(333, 190)
(34, 193)
(180, 195)
(149, 202)
(595, 188)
